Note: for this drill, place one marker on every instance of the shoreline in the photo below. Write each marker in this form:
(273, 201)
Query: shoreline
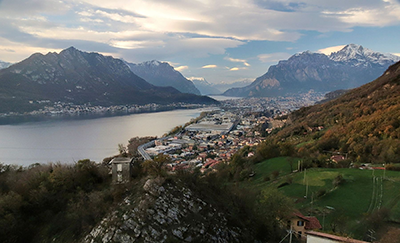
(96, 146)
(16, 119)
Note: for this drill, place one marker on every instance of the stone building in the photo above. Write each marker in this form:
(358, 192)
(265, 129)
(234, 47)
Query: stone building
(121, 169)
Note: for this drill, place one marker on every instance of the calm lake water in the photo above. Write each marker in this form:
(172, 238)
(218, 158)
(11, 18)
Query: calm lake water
(72, 140)
(222, 97)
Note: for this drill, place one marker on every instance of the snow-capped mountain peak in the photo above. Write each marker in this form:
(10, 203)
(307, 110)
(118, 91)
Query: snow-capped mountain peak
(357, 55)
(150, 63)
(199, 79)
(4, 64)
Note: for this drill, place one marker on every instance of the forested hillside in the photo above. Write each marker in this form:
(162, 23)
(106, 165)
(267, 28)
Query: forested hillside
(363, 123)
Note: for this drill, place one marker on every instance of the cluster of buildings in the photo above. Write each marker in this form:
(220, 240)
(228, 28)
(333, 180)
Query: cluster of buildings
(212, 140)
(63, 108)
(280, 105)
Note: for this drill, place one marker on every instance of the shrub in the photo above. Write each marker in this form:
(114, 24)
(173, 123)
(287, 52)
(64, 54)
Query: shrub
(321, 192)
(392, 167)
(338, 180)
(275, 174)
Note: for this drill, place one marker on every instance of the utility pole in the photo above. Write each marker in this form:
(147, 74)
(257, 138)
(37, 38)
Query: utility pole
(291, 233)
(312, 202)
(306, 188)
(384, 171)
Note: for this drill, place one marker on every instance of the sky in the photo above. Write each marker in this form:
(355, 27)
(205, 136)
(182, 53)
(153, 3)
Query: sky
(221, 41)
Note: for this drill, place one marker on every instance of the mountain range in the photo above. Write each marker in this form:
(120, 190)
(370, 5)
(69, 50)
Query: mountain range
(164, 75)
(79, 77)
(350, 67)
(207, 88)
(4, 64)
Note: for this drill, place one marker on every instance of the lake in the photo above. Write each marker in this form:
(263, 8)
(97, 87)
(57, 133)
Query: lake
(67, 141)
(222, 97)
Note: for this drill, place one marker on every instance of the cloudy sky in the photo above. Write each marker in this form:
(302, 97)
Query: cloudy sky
(222, 41)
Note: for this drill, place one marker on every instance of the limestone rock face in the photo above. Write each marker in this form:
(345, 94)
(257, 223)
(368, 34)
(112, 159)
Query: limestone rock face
(165, 212)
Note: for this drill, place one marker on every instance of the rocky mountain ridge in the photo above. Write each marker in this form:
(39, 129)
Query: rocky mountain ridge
(350, 67)
(358, 55)
(204, 86)
(164, 75)
(4, 64)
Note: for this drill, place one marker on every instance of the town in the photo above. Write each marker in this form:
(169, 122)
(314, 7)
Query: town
(212, 140)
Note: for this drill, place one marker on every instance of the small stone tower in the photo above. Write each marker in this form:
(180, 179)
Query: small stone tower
(121, 169)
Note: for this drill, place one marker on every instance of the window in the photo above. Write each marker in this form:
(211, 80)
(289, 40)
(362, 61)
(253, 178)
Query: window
(300, 223)
(119, 167)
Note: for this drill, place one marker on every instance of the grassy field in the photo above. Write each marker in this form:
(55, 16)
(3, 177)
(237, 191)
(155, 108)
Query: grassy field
(341, 208)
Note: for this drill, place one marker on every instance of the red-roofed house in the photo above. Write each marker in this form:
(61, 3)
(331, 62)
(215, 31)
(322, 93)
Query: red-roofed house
(319, 237)
(301, 224)
(337, 158)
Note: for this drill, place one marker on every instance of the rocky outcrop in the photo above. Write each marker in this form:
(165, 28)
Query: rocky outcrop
(165, 212)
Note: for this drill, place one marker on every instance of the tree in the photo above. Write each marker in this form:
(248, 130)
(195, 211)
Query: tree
(156, 165)
(121, 149)
(275, 206)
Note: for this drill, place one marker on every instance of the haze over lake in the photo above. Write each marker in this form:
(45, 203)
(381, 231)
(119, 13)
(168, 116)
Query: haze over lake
(72, 140)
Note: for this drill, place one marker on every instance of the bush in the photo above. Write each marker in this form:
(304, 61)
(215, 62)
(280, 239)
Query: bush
(54, 202)
(392, 167)
(321, 192)
(338, 181)
(275, 174)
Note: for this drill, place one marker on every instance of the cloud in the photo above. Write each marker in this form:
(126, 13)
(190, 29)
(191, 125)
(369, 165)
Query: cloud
(237, 60)
(181, 68)
(329, 50)
(273, 57)
(25, 8)
(396, 54)
(383, 13)
(237, 68)
(280, 6)
(15, 52)
(161, 29)
(210, 66)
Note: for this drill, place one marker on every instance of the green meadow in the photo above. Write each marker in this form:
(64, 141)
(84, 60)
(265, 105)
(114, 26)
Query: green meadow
(344, 208)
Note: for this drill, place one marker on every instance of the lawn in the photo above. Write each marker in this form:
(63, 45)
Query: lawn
(362, 192)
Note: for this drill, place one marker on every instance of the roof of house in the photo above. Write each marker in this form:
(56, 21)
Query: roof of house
(334, 237)
(121, 160)
(311, 222)
(337, 158)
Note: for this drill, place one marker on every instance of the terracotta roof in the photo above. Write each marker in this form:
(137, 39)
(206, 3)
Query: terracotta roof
(337, 158)
(334, 237)
(311, 222)
(378, 168)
